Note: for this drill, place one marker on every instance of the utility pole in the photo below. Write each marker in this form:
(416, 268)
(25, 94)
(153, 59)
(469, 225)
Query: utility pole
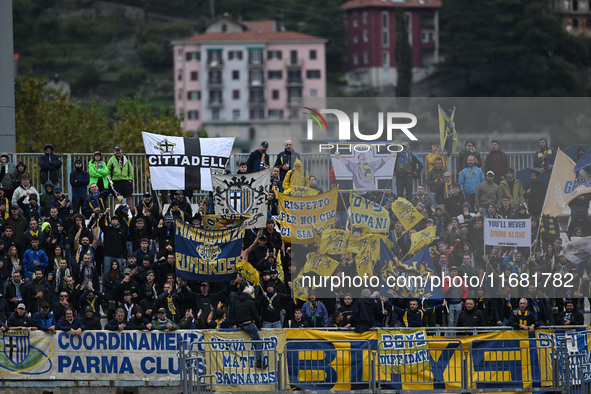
(7, 122)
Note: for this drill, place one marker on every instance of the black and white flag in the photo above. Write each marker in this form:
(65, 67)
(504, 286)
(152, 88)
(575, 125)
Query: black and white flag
(179, 163)
(246, 193)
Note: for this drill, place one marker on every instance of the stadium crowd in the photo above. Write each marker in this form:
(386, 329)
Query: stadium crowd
(68, 261)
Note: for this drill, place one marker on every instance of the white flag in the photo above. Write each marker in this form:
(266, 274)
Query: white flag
(179, 163)
(245, 193)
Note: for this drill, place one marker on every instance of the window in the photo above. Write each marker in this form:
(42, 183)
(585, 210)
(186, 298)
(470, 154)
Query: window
(256, 96)
(255, 56)
(257, 113)
(215, 114)
(255, 77)
(179, 95)
(293, 93)
(386, 59)
(275, 94)
(194, 75)
(215, 96)
(214, 57)
(384, 20)
(355, 59)
(355, 23)
(364, 17)
(236, 114)
(235, 75)
(275, 74)
(193, 115)
(575, 5)
(294, 76)
(385, 38)
(193, 56)
(355, 40)
(236, 94)
(275, 114)
(235, 55)
(365, 36)
(313, 54)
(179, 55)
(365, 57)
(274, 55)
(427, 36)
(214, 77)
(313, 92)
(313, 74)
(293, 57)
(180, 75)
(193, 95)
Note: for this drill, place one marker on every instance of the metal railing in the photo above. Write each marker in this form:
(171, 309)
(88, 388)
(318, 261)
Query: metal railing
(317, 164)
(238, 361)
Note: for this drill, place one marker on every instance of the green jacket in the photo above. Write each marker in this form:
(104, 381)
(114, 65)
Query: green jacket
(97, 173)
(120, 173)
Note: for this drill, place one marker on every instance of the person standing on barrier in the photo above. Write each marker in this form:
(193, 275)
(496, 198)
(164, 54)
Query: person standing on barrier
(523, 319)
(248, 320)
(413, 317)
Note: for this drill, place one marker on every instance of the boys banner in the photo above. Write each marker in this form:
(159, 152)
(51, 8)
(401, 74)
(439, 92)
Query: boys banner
(242, 194)
(301, 218)
(205, 254)
(185, 163)
(507, 232)
(369, 215)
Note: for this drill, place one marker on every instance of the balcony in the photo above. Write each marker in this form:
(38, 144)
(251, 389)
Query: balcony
(295, 81)
(256, 102)
(255, 63)
(215, 82)
(215, 64)
(215, 104)
(294, 63)
(256, 82)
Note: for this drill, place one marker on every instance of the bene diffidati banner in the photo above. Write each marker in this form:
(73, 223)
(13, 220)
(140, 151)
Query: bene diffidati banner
(153, 356)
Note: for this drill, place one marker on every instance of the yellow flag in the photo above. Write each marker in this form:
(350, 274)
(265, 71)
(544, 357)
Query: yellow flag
(368, 215)
(280, 267)
(366, 260)
(359, 242)
(247, 270)
(406, 213)
(334, 241)
(299, 292)
(322, 265)
(564, 185)
(421, 238)
(447, 131)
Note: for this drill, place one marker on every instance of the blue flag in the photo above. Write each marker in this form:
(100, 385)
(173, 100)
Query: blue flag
(584, 161)
(206, 254)
(411, 278)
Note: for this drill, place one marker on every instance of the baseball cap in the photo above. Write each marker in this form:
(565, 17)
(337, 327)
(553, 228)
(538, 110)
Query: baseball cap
(168, 218)
(33, 197)
(45, 305)
(97, 152)
(14, 206)
(489, 172)
(265, 144)
(124, 206)
(118, 148)
(178, 192)
(58, 190)
(204, 284)
(126, 292)
(147, 194)
(88, 309)
(127, 271)
(466, 205)
(21, 306)
(161, 310)
(453, 268)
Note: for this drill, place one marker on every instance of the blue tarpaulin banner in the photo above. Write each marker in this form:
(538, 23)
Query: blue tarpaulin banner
(206, 254)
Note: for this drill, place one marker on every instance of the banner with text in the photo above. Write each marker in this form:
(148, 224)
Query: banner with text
(507, 232)
(205, 254)
(302, 217)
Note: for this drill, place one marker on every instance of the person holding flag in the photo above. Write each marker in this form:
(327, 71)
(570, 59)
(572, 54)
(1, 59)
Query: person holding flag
(258, 159)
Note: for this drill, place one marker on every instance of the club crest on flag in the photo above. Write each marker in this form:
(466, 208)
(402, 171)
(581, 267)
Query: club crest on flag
(208, 252)
(16, 345)
(166, 147)
(239, 200)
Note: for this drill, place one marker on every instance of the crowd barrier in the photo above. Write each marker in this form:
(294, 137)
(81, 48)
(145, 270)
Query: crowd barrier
(317, 164)
(408, 360)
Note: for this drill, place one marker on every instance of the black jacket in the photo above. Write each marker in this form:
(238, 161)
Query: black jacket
(114, 244)
(283, 158)
(50, 163)
(471, 318)
(364, 312)
(245, 310)
(254, 160)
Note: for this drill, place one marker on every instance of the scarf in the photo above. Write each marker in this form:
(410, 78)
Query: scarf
(446, 192)
(313, 307)
(270, 306)
(34, 233)
(5, 214)
(522, 322)
(439, 225)
(508, 302)
(16, 265)
(88, 271)
(367, 173)
(421, 205)
(535, 306)
(218, 323)
(547, 224)
(337, 303)
(162, 322)
(17, 286)
(263, 155)
(91, 304)
(544, 162)
(128, 310)
(171, 306)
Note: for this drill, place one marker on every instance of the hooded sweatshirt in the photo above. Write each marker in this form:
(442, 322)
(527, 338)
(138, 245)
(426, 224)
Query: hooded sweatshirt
(297, 176)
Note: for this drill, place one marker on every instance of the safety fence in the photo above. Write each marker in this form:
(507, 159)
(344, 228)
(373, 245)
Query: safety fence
(317, 164)
(393, 363)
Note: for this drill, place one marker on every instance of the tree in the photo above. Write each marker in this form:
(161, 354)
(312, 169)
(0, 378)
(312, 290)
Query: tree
(43, 117)
(403, 56)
